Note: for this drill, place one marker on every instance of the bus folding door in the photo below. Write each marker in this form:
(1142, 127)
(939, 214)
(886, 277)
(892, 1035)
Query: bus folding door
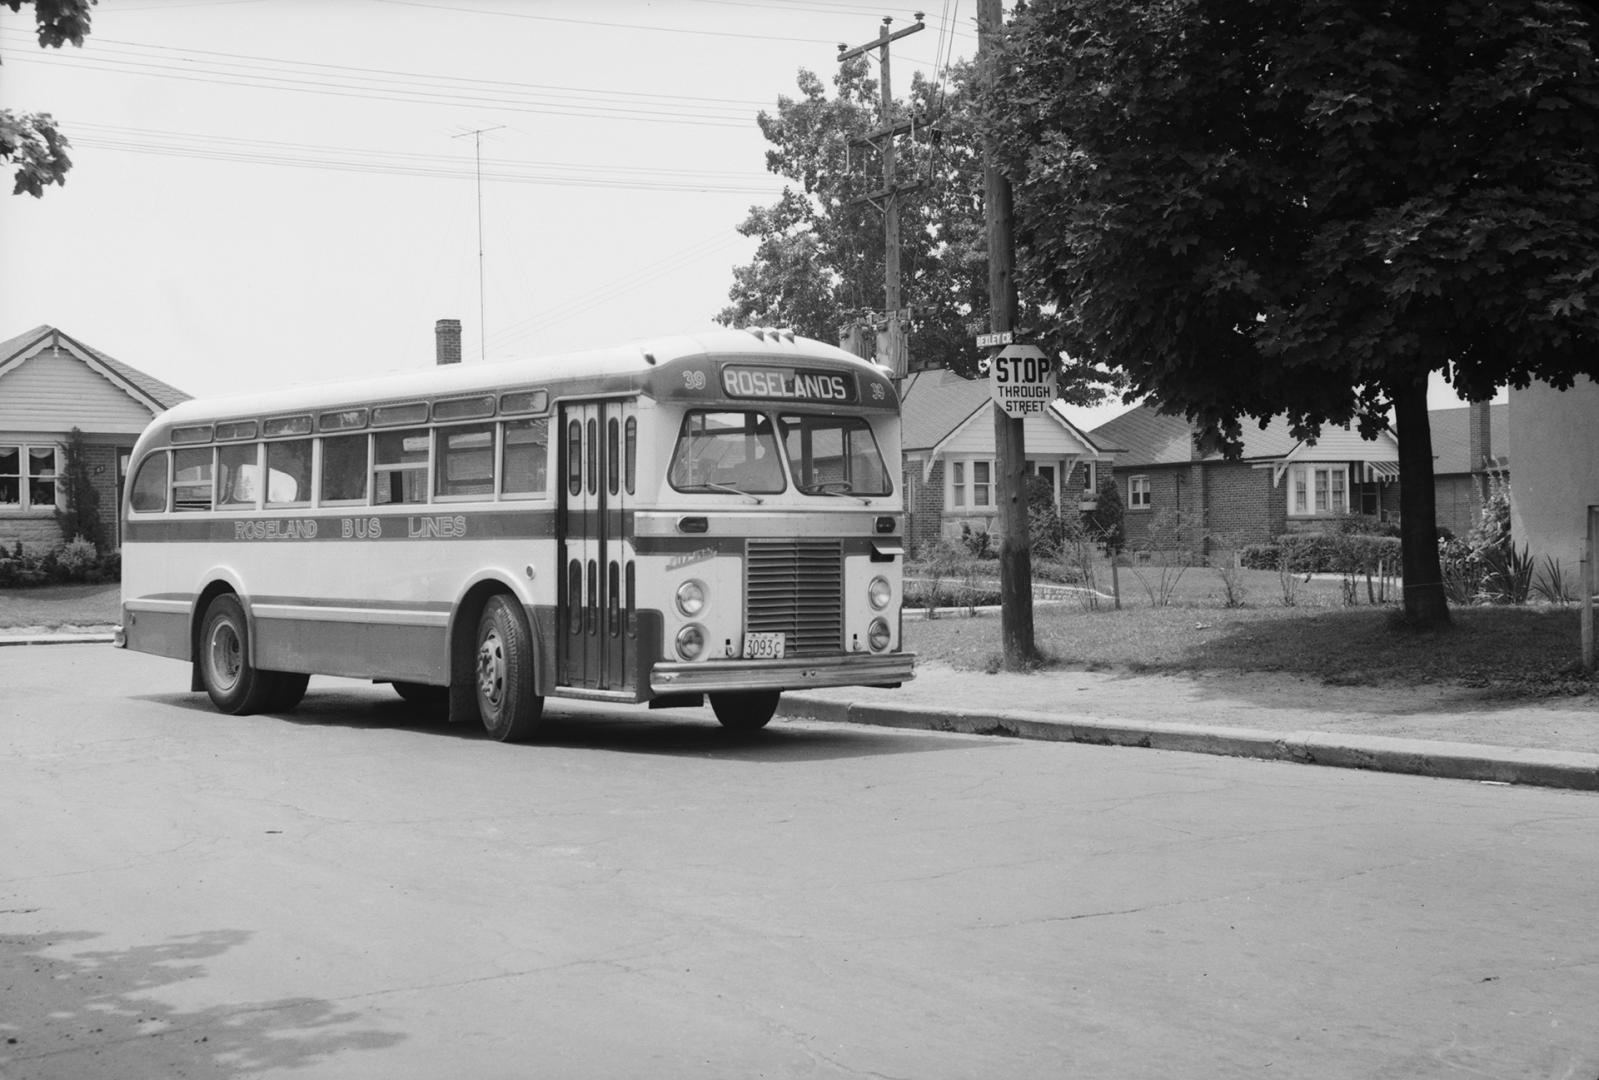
(598, 639)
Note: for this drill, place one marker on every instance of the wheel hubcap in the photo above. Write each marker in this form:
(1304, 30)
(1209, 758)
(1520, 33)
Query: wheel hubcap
(227, 658)
(491, 670)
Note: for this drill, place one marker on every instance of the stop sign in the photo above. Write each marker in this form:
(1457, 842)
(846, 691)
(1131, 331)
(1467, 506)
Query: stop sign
(1022, 379)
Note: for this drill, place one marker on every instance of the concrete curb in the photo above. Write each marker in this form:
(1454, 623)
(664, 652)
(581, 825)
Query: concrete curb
(1418, 757)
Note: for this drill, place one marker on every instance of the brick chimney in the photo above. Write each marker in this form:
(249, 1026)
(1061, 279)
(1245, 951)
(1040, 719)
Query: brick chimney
(447, 341)
(1480, 438)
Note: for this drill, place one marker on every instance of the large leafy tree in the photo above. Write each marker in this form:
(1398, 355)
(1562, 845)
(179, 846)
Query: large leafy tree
(31, 141)
(1305, 207)
(820, 260)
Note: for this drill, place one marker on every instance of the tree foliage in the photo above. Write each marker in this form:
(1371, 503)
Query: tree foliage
(820, 257)
(29, 140)
(1304, 208)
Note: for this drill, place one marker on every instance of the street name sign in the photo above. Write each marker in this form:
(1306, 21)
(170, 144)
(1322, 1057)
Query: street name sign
(1022, 380)
(998, 337)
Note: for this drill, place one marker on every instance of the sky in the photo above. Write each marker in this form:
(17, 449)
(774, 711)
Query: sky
(266, 193)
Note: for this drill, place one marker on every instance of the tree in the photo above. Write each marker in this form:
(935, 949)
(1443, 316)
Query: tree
(31, 140)
(81, 518)
(820, 254)
(1304, 208)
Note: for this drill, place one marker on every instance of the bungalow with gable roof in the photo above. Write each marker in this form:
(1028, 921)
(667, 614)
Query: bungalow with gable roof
(948, 444)
(1278, 484)
(51, 383)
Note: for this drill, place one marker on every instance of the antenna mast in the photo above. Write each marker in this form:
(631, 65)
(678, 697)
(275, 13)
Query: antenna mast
(477, 144)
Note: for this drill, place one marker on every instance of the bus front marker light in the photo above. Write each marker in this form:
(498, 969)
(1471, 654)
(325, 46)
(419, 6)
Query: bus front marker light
(877, 635)
(691, 597)
(691, 641)
(879, 592)
(693, 524)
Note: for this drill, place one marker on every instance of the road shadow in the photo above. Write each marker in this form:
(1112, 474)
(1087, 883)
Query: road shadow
(633, 729)
(70, 1012)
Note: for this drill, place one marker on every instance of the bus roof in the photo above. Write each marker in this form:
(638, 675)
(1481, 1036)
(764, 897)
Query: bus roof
(596, 367)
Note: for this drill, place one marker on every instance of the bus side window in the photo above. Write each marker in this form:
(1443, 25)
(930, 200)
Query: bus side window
(289, 472)
(524, 467)
(150, 486)
(400, 467)
(344, 468)
(237, 469)
(191, 481)
(465, 461)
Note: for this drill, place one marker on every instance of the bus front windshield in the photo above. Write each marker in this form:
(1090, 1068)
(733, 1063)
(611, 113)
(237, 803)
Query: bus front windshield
(738, 451)
(726, 451)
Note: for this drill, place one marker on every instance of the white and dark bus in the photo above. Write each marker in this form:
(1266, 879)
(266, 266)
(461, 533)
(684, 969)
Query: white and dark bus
(710, 516)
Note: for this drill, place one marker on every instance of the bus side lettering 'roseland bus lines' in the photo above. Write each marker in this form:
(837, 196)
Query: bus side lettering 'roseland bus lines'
(786, 384)
(444, 526)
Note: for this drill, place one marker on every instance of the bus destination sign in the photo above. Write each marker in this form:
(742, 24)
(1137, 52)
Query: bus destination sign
(787, 384)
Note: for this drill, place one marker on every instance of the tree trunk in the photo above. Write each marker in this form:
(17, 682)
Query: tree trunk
(1425, 603)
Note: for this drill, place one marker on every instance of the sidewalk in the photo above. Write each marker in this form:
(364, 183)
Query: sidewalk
(1435, 730)
(1438, 730)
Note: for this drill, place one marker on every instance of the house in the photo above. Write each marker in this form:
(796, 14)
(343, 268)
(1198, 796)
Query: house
(1278, 484)
(1556, 493)
(51, 383)
(948, 444)
(1470, 445)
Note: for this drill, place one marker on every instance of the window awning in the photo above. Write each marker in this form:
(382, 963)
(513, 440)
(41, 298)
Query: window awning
(1381, 472)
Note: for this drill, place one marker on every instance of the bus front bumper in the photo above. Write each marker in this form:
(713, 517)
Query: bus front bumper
(800, 673)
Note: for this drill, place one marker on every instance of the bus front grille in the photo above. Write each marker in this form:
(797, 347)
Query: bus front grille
(796, 588)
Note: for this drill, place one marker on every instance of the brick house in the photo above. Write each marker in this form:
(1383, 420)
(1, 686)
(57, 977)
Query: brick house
(1469, 445)
(51, 383)
(948, 444)
(1279, 484)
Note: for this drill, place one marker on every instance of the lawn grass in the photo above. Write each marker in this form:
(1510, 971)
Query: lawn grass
(1514, 651)
(53, 606)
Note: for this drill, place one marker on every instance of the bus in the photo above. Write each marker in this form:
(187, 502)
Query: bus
(716, 516)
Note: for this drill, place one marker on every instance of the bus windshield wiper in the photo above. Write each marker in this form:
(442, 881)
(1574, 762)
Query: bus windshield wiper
(730, 490)
(825, 489)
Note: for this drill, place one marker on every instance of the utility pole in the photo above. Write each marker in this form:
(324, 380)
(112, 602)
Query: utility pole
(477, 140)
(890, 193)
(1010, 448)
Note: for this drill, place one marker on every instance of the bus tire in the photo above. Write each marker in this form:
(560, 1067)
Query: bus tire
(504, 672)
(746, 711)
(234, 685)
(422, 695)
(289, 689)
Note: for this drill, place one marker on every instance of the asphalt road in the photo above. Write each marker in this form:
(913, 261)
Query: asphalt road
(360, 891)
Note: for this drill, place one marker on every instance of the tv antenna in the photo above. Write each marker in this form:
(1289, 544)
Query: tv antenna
(477, 148)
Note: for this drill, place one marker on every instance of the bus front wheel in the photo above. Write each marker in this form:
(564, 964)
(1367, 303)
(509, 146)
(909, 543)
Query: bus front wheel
(234, 684)
(504, 675)
(749, 711)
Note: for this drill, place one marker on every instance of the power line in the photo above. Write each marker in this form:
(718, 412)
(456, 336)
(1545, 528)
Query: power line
(226, 148)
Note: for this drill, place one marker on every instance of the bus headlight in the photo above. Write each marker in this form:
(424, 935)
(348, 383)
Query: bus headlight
(691, 641)
(879, 592)
(691, 598)
(878, 636)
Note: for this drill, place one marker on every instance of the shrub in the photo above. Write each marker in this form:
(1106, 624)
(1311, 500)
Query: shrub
(75, 562)
(1107, 521)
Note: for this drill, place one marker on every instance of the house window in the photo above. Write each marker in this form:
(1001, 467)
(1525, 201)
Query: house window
(1090, 477)
(1318, 490)
(971, 484)
(1138, 493)
(28, 477)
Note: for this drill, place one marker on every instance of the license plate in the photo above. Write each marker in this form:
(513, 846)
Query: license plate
(763, 646)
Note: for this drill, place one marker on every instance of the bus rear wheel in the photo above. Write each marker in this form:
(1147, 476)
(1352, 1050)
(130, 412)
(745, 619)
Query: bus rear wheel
(747, 711)
(234, 685)
(504, 673)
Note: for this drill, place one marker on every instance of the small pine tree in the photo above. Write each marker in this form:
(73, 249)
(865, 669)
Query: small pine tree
(82, 514)
(1105, 521)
